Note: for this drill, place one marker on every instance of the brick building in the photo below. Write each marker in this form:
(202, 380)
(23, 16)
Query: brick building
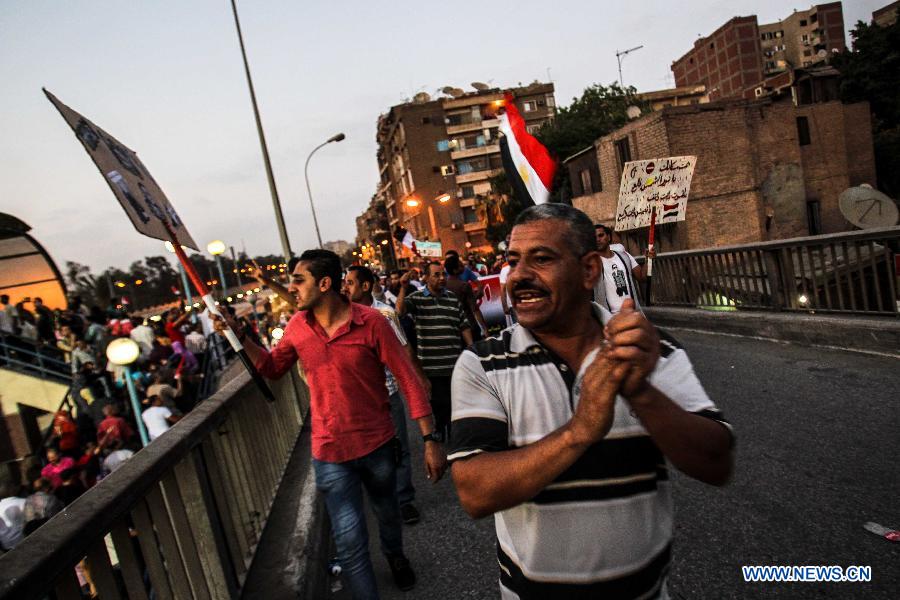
(765, 169)
(887, 15)
(435, 159)
(738, 58)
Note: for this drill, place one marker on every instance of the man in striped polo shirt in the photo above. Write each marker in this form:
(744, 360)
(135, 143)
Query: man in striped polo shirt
(442, 331)
(563, 426)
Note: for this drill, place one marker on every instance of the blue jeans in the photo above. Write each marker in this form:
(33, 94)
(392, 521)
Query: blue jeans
(406, 493)
(341, 484)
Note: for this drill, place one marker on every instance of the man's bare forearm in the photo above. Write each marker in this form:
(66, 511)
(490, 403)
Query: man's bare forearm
(281, 291)
(494, 481)
(697, 446)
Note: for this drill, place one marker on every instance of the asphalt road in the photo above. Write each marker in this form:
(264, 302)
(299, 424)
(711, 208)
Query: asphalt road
(817, 456)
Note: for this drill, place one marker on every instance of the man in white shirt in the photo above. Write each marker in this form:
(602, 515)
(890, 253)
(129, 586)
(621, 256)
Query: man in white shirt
(621, 273)
(12, 518)
(7, 316)
(195, 342)
(158, 418)
(144, 336)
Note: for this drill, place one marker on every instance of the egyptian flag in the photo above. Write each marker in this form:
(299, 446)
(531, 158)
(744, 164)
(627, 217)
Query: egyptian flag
(403, 236)
(528, 164)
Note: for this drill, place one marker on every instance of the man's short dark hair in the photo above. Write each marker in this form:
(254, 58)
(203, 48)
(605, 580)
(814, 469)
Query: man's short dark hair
(364, 274)
(324, 263)
(451, 252)
(431, 263)
(292, 263)
(582, 238)
(453, 265)
(396, 272)
(607, 229)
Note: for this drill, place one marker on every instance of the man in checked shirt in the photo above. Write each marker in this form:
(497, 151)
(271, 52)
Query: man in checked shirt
(344, 349)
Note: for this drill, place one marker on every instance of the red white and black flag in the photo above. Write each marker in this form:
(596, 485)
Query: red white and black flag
(528, 164)
(403, 236)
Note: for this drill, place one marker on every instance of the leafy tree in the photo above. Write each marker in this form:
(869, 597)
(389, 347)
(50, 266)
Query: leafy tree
(871, 72)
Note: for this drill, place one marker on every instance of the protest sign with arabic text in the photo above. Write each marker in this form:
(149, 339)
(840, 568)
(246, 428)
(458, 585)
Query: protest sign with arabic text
(663, 182)
(141, 198)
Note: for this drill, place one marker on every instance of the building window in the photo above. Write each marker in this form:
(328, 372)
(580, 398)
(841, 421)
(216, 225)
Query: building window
(447, 170)
(807, 53)
(623, 152)
(443, 145)
(814, 217)
(813, 17)
(779, 34)
(426, 120)
(551, 102)
(468, 191)
(803, 131)
(533, 128)
(587, 186)
(528, 106)
(469, 215)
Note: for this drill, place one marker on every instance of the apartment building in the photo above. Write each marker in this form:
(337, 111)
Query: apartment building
(436, 158)
(738, 58)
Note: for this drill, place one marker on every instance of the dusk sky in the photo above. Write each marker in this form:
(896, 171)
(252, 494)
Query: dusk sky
(166, 79)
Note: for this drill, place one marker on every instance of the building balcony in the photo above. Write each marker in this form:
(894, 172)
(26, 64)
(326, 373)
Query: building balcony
(466, 202)
(475, 151)
(476, 226)
(473, 126)
(476, 176)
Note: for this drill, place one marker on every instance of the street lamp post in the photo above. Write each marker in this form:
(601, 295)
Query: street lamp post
(276, 202)
(335, 138)
(216, 248)
(123, 352)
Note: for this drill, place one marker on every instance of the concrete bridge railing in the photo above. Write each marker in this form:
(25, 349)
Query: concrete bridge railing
(182, 517)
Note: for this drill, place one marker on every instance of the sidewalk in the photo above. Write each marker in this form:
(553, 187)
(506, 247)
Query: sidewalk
(874, 335)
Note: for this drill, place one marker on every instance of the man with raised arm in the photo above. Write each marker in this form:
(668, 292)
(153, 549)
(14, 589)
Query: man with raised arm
(564, 424)
(344, 349)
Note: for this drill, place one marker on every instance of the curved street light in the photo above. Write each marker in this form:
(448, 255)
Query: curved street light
(339, 137)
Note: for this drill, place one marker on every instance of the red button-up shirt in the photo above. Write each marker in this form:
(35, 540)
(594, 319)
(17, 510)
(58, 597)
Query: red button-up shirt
(349, 405)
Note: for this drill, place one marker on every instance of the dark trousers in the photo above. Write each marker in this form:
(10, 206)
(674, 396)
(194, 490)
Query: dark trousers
(440, 404)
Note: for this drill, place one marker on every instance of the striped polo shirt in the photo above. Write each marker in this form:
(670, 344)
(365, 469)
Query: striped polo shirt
(603, 528)
(439, 324)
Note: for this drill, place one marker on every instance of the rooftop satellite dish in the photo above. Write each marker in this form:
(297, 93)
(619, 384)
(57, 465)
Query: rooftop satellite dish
(633, 112)
(447, 89)
(457, 92)
(822, 53)
(422, 97)
(867, 208)
(479, 86)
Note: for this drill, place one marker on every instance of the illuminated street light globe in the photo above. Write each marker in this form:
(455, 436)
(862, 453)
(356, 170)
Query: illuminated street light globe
(216, 247)
(123, 351)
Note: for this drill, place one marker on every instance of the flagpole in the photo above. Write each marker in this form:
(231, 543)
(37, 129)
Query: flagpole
(651, 238)
(210, 303)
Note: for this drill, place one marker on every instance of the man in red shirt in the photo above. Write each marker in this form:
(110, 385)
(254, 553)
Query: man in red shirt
(113, 431)
(344, 349)
(174, 321)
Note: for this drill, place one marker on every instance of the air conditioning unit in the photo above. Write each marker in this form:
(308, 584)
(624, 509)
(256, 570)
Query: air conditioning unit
(760, 91)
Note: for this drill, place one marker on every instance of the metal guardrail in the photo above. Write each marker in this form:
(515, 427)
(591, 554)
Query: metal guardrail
(182, 517)
(35, 359)
(850, 273)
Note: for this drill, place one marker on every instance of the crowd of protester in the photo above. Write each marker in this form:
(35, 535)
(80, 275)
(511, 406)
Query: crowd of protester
(95, 430)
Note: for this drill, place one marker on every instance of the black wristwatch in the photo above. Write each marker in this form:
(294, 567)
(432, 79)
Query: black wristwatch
(431, 437)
